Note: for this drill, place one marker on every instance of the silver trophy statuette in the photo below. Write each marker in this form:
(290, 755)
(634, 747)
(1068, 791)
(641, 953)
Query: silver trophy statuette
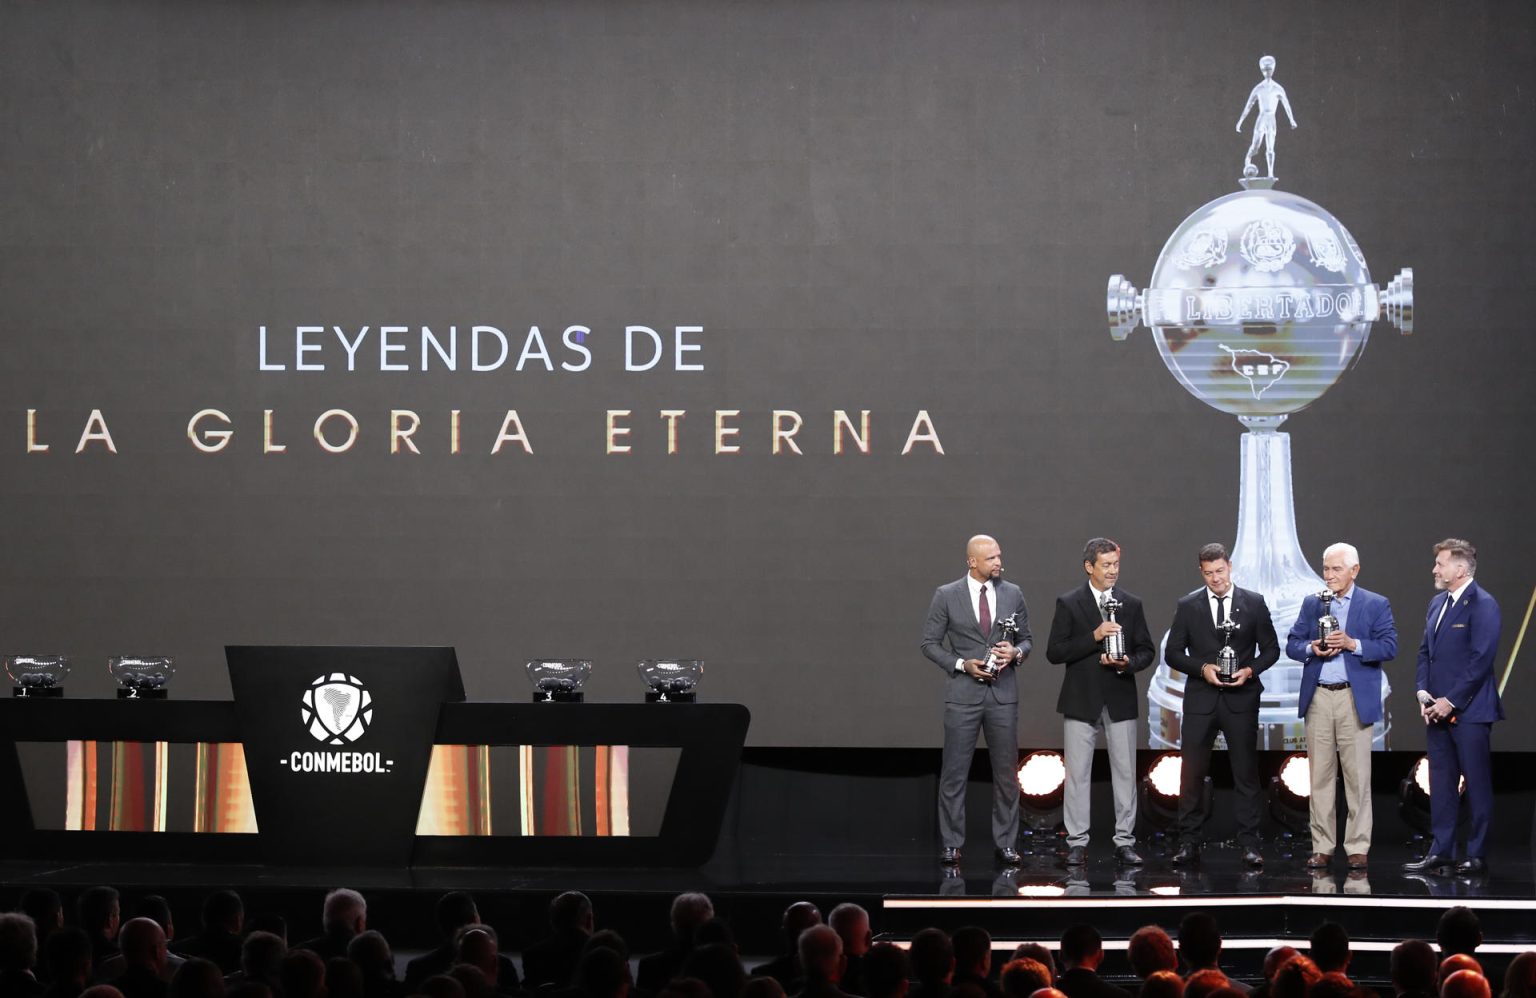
(1326, 624)
(1010, 628)
(1268, 96)
(1114, 644)
(1226, 659)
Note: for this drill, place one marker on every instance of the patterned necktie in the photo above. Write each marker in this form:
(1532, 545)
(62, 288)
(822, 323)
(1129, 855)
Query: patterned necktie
(984, 614)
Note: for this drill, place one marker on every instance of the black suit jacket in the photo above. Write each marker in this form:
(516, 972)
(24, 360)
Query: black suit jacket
(1080, 982)
(1087, 687)
(1193, 641)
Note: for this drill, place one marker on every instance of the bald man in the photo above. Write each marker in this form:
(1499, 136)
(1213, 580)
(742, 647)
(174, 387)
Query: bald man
(964, 637)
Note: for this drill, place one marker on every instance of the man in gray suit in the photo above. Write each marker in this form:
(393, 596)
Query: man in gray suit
(963, 636)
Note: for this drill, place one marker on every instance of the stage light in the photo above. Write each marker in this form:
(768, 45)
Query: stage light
(1290, 793)
(1042, 774)
(1158, 792)
(1413, 796)
(1042, 891)
(1042, 780)
(1164, 775)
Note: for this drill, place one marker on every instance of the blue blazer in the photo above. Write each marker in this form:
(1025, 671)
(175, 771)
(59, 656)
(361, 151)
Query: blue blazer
(1370, 623)
(1457, 661)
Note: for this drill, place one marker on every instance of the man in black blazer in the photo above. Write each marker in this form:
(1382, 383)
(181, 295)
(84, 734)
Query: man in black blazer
(1099, 692)
(1212, 706)
(963, 636)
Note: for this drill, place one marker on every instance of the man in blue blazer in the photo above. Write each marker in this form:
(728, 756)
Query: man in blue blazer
(1340, 698)
(1461, 637)
(964, 637)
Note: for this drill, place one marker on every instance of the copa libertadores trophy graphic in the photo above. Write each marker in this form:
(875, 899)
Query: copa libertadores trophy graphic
(1258, 303)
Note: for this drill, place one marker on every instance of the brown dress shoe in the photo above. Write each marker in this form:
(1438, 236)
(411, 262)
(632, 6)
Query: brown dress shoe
(1357, 861)
(1319, 861)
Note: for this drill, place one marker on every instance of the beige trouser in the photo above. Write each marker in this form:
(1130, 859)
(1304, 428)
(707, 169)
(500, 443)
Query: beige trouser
(1337, 740)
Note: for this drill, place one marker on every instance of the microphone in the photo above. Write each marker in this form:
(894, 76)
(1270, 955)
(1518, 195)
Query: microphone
(1426, 699)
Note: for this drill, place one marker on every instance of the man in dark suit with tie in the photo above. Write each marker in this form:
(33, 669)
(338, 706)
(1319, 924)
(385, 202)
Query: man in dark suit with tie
(1461, 637)
(1099, 692)
(1213, 705)
(963, 636)
(1340, 698)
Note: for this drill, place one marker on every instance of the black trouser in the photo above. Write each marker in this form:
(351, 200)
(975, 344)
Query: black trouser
(1242, 730)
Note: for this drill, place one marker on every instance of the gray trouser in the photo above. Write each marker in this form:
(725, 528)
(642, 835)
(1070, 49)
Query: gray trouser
(962, 723)
(1078, 739)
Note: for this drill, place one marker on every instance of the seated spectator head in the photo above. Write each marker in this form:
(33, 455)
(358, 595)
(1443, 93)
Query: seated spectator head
(374, 959)
(247, 989)
(717, 965)
(1150, 949)
(343, 979)
(1022, 977)
(344, 914)
(1455, 962)
(689, 911)
(602, 973)
(67, 955)
(933, 957)
(1199, 942)
(1036, 951)
(99, 912)
(763, 987)
(1329, 947)
(269, 922)
(301, 974)
(797, 918)
(851, 923)
(197, 978)
(1082, 946)
(1466, 984)
(1276, 958)
(143, 944)
(1045, 993)
(46, 909)
(973, 951)
(1163, 984)
(571, 912)
(1520, 976)
(1334, 984)
(477, 946)
(18, 943)
(886, 970)
(821, 954)
(439, 986)
(158, 909)
(261, 957)
(453, 911)
(101, 991)
(1204, 983)
(472, 980)
(1295, 978)
(1414, 967)
(609, 939)
(716, 930)
(1459, 931)
(223, 911)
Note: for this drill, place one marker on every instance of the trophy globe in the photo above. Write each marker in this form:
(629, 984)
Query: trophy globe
(1258, 303)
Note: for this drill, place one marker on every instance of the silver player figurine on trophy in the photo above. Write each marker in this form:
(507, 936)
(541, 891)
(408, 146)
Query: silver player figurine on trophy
(1226, 659)
(1326, 624)
(1114, 644)
(1009, 625)
(1267, 95)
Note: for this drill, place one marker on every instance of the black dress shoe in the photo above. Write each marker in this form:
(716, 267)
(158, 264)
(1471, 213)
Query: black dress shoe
(1253, 857)
(1472, 866)
(1127, 856)
(1009, 855)
(1188, 855)
(950, 856)
(1077, 856)
(1433, 863)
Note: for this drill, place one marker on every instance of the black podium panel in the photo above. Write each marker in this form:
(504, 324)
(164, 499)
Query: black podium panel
(337, 743)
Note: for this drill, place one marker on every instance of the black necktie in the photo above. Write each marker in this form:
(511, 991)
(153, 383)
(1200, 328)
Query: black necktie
(984, 614)
(1445, 608)
(1221, 610)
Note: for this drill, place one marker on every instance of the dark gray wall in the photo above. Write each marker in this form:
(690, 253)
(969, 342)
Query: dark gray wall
(885, 205)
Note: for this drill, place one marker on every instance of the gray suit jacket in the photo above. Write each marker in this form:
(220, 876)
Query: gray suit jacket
(951, 631)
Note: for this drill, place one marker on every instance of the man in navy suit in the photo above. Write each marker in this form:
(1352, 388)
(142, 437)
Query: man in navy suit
(963, 636)
(1213, 705)
(1461, 636)
(1340, 698)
